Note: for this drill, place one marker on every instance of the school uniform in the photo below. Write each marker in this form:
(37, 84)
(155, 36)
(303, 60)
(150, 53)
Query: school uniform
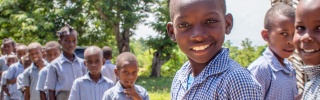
(12, 73)
(30, 79)
(221, 79)
(117, 93)
(62, 73)
(84, 88)
(42, 79)
(312, 87)
(107, 70)
(3, 64)
(19, 85)
(278, 82)
(4, 82)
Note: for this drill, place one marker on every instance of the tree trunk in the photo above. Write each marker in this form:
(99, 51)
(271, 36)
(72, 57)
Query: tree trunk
(123, 39)
(157, 61)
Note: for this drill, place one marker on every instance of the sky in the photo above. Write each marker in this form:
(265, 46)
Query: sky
(248, 18)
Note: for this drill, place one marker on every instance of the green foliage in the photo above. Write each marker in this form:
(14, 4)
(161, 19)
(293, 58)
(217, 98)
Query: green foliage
(247, 54)
(178, 58)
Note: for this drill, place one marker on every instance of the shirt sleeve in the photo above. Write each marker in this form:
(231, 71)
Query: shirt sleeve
(11, 71)
(51, 80)
(26, 77)
(75, 91)
(145, 94)
(107, 95)
(3, 80)
(41, 79)
(19, 81)
(242, 86)
(263, 75)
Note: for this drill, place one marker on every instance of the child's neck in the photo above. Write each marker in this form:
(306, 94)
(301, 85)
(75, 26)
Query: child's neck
(95, 78)
(69, 56)
(197, 68)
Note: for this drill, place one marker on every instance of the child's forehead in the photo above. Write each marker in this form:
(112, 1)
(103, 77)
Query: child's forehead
(34, 48)
(189, 7)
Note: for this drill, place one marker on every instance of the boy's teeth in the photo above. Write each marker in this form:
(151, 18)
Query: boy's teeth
(309, 51)
(200, 47)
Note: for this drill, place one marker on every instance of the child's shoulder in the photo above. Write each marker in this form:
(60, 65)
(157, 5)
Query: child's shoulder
(260, 63)
(238, 72)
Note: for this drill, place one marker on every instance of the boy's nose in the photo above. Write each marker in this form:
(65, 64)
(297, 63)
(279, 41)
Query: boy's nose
(198, 33)
(306, 38)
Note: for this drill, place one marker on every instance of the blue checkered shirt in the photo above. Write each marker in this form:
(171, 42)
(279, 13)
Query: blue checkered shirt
(221, 79)
(312, 87)
(278, 82)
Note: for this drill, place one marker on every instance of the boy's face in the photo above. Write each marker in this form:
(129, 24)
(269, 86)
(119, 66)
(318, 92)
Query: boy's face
(26, 62)
(52, 53)
(94, 63)
(21, 52)
(10, 61)
(8, 47)
(307, 35)
(280, 36)
(199, 28)
(35, 54)
(69, 43)
(128, 73)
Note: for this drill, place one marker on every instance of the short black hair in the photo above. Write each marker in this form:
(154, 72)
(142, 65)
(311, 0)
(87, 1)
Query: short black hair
(107, 52)
(66, 30)
(7, 40)
(279, 8)
(125, 57)
(222, 4)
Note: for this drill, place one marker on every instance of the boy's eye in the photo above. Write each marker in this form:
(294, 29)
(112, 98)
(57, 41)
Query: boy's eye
(284, 33)
(211, 21)
(300, 28)
(183, 25)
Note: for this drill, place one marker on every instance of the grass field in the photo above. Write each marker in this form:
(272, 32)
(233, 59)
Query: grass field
(158, 88)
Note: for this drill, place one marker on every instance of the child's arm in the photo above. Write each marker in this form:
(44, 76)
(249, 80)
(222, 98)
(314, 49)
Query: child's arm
(27, 93)
(42, 95)
(75, 91)
(5, 90)
(132, 93)
(11, 81)
(51, 81)
(52, 95)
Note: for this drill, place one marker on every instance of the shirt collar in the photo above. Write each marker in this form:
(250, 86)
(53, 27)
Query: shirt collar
(20, 64)
(63, 58)
(120, 88)
(275, 64)
(108, 62)
(312, 70)
(216, 66)
(87, 77)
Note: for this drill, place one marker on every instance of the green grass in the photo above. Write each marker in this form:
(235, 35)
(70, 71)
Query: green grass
(158, 88)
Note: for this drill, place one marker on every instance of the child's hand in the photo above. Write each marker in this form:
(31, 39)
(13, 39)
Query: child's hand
(40, 64)
(132, 93)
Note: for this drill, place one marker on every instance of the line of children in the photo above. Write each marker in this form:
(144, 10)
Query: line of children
(66, 68)
(52, 51)
(273, 70)
(92, 85)
(30, 75)
(307, 42)
(14, 70)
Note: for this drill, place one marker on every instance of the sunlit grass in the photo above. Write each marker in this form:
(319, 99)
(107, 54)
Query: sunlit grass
(158, 88)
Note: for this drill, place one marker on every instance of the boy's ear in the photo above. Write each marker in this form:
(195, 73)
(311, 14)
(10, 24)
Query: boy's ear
(170, 31)
(85, 62)
(116, 72)
(265, 35)
(229, 23)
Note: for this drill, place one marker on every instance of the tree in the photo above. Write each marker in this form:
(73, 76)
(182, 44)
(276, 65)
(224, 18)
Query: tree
(122, 16)
(162, 43)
